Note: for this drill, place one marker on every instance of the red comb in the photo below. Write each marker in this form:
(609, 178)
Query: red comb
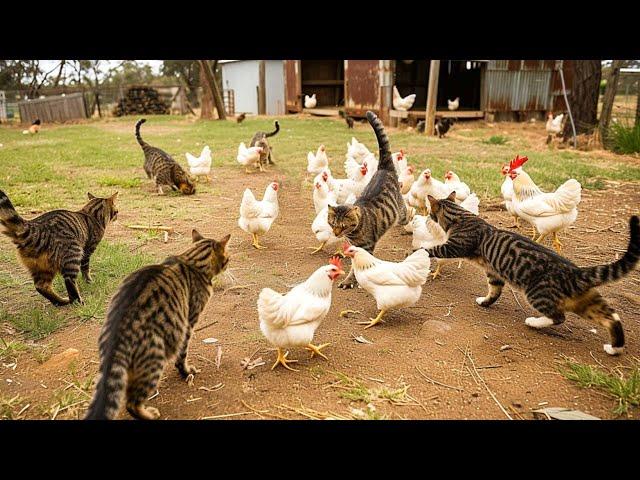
(517, 162)
(345, 246)
(335, 261)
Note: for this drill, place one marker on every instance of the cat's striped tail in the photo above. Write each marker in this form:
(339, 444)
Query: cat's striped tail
(138, 137)
(611, 272)
(14, 225)
(385, 160)
(110, 391)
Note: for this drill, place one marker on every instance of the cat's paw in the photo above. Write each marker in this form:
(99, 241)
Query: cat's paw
(347, 285)
(612, 350)
(187, 370)
(481, 301)
(87, 277)
(538, 322)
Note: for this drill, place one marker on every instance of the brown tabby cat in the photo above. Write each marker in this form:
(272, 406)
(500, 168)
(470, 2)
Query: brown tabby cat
(149, 323)
(552, 284)
(265, 144)
(59, 241)
(379, 208)
(159, 165)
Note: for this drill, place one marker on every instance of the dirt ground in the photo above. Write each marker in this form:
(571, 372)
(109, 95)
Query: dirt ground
(422, 349)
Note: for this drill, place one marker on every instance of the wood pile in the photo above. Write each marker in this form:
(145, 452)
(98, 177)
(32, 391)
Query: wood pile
(140, 101)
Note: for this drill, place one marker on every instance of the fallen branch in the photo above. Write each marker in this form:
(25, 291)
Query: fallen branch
(435, 382)
(150, 227)
(226, 415)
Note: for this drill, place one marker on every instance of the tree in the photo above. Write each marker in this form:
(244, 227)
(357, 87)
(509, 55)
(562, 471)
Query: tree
(609, 96)
(188, 72)
(210, 87)
(583, 98)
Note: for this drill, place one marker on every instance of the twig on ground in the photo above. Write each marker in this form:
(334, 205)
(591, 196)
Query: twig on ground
(435, 382)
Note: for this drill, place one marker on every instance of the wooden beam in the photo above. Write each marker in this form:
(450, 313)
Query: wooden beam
(262, 91)
(432, 97)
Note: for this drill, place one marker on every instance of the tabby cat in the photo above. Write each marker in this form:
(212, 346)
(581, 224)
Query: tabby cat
(149, 323)
(552, 284)
(59, 241)
(159, 165)
(263, 136)
(379, 208)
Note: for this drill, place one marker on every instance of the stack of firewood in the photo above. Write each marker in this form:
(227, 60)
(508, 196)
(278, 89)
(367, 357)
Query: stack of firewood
(141, 100)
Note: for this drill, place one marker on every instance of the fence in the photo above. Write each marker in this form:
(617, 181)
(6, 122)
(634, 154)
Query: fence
(3, 107)
(53, 109)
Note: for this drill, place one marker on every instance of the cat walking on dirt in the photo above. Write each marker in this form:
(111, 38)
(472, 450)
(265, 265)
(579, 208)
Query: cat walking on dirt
(59, 241)
(552, 284)
(149, 324)
(260, 140)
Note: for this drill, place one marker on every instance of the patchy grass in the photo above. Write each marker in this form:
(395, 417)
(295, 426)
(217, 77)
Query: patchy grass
(11, 350)
(624, 138)
(357, 391)
(496, 140)
(625, 389)
(9, 407)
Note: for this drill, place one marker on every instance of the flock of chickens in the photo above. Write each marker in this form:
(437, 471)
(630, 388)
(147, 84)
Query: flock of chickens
(290, 320)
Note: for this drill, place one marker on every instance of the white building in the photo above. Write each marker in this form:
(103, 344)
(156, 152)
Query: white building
(243, 77)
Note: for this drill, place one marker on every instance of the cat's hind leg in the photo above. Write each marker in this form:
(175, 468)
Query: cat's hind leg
(593, 307)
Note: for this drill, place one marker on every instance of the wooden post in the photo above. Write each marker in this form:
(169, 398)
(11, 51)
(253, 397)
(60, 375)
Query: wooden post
(98, 104)
(262, 91)
(638, 104)
(609, 97)
(211, 85)
(432, 97)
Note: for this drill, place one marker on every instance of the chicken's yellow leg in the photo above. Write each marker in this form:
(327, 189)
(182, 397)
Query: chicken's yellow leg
(255, 243)
(282, 360)
(535, 233)
(436, 274)
(319, 248)
(557, 244)
(315, 350)
(541, 237)
(344, 313)
(373, 321)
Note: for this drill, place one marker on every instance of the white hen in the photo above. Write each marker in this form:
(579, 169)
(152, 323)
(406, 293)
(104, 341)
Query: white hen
(310, 101)
(256, 217)
(393, 285)
(406, 179)
(425, 185)
(462, 190)
(343, 187)
(400, 103)
(321, 228)
(316, 163)
(357, 150)
(322, 195)
(200, 165)
(248, 156)
(553, 125)
(400, 161)
(453, 105)
(291, 320)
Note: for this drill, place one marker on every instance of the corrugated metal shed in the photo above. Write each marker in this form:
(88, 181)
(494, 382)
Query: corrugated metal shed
(242, 76)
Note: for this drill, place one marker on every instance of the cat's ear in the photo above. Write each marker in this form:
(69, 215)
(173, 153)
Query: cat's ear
(433, 202)
(195, 236)
(90, 195)
(113, 197)
(355, 211)
(224, 241)
(452, 196)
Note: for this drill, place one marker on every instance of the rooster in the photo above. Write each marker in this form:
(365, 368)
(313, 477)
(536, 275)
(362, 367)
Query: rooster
(553, 126)
(400, 103)
(453, 105)
(200, 165)
(310, 101)
(452, 180)
(393, 285)
(291, 320)
(34, 128)
(256, 217)
(316, 163)
(249, 156)
(549, 213)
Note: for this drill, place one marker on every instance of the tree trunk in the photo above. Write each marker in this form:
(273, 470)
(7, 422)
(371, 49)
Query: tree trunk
(638, 105)
(583, 98)
(212, 86)
(609, 97)
(206, 103)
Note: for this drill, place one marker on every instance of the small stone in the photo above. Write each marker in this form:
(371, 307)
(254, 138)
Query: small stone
(62, 360)
(475, 394)
(505, 347)
(516, 404)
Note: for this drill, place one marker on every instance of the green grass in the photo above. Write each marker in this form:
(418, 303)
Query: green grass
(624, 389)
(496, 140)
(10, 350)
(624, 139)
(37, 319)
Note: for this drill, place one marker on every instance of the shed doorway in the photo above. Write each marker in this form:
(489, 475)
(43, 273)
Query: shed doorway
(325, 78)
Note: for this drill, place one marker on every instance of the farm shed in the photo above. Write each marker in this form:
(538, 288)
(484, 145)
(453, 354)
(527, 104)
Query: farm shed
(258, 85)
(505, 89)
(59, 108)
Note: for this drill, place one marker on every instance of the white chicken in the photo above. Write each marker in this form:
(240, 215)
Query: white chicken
(323, 196)
(256, 217)
(506, 189)
(400, 161)
(352, 167)
(393, 285)
(291, 320)
(357, 150)
(400, 103)
(318, 162)
(321, 228)
(325, 176)
(425, 185)
(453, 105)
(553, 125)
(452, 180)
(200, 165)
(406, 179)
(343, 187)
(549, 213)
(249, 156)
(310, 101)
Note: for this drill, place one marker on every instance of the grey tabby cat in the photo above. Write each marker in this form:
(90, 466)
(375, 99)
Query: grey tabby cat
(379, 208)
(160, 166)
(149, 323)
(260, 140)
(552, 284)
